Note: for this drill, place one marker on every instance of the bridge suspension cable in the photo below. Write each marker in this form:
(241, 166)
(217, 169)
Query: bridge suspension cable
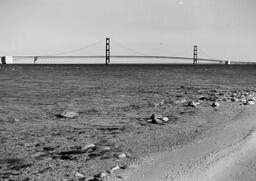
(129, 49)
(77, 49)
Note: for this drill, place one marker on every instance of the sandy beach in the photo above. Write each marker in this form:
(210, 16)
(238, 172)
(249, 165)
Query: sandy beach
(131, 122)
(224, 153)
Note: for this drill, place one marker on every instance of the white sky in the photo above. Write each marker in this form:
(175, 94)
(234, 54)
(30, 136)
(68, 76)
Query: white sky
(221, 28)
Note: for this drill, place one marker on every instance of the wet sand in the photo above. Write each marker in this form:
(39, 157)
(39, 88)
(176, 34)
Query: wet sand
(224, 153)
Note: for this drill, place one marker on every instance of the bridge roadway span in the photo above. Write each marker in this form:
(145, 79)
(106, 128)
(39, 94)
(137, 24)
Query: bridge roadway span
(121, 56)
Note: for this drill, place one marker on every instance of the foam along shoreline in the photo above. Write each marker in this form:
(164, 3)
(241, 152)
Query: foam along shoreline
(223, 153)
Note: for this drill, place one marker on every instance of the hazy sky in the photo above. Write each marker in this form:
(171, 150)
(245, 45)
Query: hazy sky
(221, 28)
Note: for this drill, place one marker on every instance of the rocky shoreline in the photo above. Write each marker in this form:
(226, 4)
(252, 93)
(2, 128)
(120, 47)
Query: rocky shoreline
(58, 151)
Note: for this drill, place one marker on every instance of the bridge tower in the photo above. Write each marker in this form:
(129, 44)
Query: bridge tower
(35, 60)
(195, 55)
(107, 51)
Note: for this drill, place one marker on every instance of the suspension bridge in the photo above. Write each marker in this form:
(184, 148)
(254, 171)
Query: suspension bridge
(108, 56)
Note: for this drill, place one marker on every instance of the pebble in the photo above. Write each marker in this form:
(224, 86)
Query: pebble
(215, 104)
(165, 119)
(103, 175)
(114, 169)
(192, 104)
(156, 119)
(250, 102)
(79, 175)
(122, 155)
(67, 114)
(89, 146)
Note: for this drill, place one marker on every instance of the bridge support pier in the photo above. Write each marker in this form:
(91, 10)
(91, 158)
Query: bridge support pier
(107, 51)
(195, 55)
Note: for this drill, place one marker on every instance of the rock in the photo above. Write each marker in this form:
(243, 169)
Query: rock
(114, 169)
(215, 104)
(156, 119)
(252, 99)
(249, 103)
(88, 147)
(48, 148)
(27, 145)
(79, 175)
(159, 103)
(67, 114)
(181, 101)
(122, 155)
(192, 104)
(103, 175)
(234, 99)
(203, 98)
(99, 151)
(129, 155)
(165, 119)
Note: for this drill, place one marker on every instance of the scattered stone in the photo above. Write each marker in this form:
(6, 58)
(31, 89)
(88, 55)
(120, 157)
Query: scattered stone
(129, 155)
(215, 104)
(249, 103)
(99, 151)
(27, 145)
(159, 103)
(67, 114)
(165, 119)
(234, 99)
(79, 175)
(114, 169)
(156, 119)
(48, 148)
(122, 155)
(193, 104)
(88, 147)
(203, 98)
(102, 175)
(181, 101)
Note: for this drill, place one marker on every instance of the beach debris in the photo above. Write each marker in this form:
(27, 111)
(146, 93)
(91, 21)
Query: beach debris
(193, 103)
(67, 114)
(215, 104)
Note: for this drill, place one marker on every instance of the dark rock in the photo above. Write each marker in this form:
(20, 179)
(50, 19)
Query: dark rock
(156, 119)
(48, 148)
(215, 104)
(193, 104)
